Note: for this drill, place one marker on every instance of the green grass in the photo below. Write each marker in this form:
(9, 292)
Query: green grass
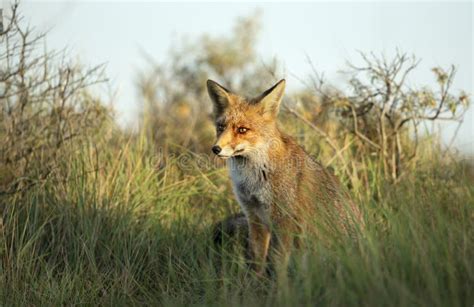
(127, 227)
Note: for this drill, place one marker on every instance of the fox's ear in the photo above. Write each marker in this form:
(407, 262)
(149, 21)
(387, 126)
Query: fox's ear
(271, 98)
(219, 96)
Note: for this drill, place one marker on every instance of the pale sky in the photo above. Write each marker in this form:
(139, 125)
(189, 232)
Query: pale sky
(328, 32)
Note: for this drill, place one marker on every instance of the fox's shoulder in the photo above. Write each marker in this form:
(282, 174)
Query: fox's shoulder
(308, 164)
(296, 150)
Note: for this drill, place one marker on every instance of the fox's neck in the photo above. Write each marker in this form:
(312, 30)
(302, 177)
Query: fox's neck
(260, 161)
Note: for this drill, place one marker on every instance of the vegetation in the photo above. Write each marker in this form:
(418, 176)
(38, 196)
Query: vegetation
(92, 214)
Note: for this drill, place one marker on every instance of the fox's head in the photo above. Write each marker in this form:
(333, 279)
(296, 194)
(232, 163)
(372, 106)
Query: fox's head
(245, 127)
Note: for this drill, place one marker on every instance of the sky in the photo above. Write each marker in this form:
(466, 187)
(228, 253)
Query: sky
(330, 33)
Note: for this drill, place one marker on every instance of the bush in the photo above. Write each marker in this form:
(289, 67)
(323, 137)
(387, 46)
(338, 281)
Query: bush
(46, 108)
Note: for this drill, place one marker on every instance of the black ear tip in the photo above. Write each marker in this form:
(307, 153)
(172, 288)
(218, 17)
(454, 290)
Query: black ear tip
(214, 86)
(211, 85)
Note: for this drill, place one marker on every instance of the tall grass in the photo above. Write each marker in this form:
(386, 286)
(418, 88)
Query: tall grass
(121, 224)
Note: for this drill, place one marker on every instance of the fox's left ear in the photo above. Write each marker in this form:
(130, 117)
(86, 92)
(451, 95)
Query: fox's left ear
(270, 99)
(219, 96)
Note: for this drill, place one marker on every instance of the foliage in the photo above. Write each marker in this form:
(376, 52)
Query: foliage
(384, 113)
(44, 108)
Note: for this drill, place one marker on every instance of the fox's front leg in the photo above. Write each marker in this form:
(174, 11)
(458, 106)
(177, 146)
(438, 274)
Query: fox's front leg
(259, 235)
(280, 254)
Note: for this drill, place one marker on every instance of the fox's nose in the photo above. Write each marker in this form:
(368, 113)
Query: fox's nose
(216, 149)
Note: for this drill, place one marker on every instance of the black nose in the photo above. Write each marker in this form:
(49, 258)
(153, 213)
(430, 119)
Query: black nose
(216, 149)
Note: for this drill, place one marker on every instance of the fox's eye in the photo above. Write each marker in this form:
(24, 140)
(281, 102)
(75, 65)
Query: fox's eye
(220, 127)
(242, 130)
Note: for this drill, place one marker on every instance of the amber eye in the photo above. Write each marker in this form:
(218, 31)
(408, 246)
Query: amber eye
(242, 130)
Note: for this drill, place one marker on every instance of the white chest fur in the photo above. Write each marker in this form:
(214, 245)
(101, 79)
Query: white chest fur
(251, 184)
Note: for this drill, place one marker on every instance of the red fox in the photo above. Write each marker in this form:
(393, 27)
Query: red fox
(281, 189)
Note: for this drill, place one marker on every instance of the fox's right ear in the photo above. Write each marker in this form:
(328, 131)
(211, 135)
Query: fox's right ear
(270, 99)
(219, 96)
